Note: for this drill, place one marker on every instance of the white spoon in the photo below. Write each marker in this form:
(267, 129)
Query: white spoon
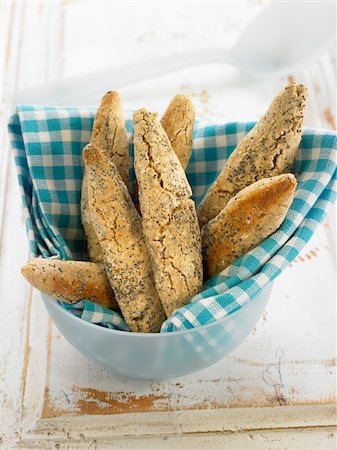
(282, 38)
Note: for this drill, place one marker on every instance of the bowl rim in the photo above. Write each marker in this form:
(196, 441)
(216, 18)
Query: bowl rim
(131, 334)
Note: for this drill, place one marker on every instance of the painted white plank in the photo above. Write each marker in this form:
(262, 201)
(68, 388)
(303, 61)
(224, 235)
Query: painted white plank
(26, 37)
(110, 427)
(13, 310)
(305, 439)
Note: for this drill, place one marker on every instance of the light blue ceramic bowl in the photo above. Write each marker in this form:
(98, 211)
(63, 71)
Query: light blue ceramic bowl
(157, 356)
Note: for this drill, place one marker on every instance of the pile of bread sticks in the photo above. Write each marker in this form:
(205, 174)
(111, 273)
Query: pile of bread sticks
(149, 248)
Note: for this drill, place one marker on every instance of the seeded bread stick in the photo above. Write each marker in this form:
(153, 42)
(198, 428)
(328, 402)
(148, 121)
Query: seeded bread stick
(125, 256)
(109, 134)
(247, 219)
(269, 149)
(178, 122)
(169, 218)
(70, 281)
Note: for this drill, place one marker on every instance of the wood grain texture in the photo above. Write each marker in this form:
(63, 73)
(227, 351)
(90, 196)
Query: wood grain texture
(307, 439)
(278, 388)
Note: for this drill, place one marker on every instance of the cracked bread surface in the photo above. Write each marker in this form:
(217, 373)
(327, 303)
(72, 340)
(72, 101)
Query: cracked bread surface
(70, 281)
(248, 218)
(178, 122)
(108, 134)
(125, 255)
(269, 149)
(169, 218)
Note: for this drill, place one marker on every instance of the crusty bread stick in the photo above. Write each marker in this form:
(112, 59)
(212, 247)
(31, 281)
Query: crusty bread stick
(70, 281)
(268, 149)
(178, 122)
(169, 218)
(109, 134)
(247, 219)
(125, 255)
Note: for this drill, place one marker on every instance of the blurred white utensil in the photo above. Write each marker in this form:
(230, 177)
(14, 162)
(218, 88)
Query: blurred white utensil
(282, 38)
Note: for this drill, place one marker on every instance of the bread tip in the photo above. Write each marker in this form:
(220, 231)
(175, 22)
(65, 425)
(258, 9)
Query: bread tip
(292, 180)
(110, 96)
(286, 182)
(138, 114)
(24, 270)
(289, 176)
(302, 90)
(297, 89)
(108, 103)
(143, 113)
(182, 96)
(91, 154)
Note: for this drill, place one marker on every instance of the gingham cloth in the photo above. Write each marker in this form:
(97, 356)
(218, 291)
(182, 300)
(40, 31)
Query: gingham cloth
(48, 142)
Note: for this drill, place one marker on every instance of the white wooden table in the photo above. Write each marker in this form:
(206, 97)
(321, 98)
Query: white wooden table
(278, 389)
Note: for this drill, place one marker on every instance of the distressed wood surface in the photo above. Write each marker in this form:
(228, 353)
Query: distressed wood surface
(278, 389)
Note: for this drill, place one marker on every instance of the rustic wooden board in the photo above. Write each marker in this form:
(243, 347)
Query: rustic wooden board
(280, 384)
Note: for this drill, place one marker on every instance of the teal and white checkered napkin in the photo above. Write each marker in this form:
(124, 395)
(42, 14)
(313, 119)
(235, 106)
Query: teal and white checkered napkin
(48, 143)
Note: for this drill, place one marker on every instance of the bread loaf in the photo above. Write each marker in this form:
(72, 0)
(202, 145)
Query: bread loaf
(169, 218)
(268, 149)
(247, 219)
(119, 230)
(178, 122)
(70, 281)
(109, 134)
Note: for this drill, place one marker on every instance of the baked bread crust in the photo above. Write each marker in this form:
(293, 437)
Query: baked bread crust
(70, 281)
(248, 218)
(269, 149)
(108, 134)
(169, 218)
(119, 230)
(178, 122)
